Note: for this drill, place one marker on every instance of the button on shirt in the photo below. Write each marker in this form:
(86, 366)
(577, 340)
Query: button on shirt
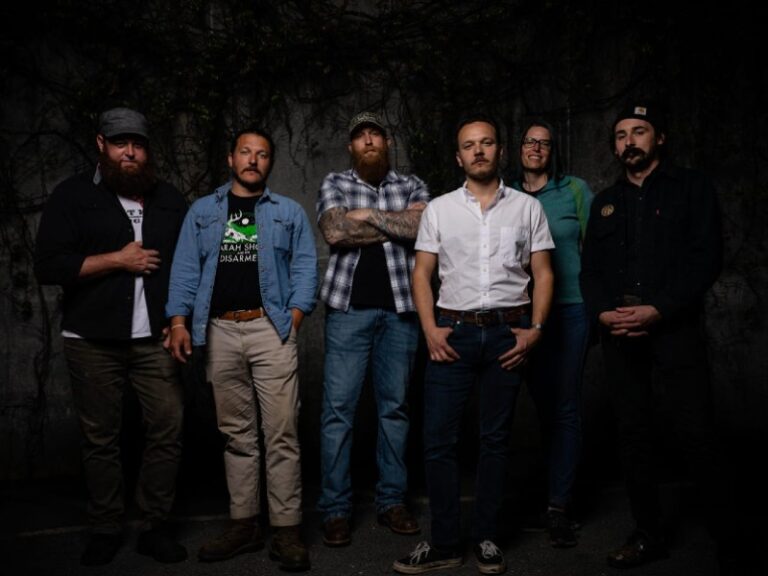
(483, 256)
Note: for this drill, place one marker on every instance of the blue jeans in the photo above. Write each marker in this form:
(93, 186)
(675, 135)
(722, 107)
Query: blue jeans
(447, 389)
(555, 385)
(354, 339)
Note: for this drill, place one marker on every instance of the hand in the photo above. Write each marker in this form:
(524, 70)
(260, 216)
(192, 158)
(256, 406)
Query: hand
(527, 338)
(630, 321)
(360, 214)
(437, 343)
(136, 259)
(179, 343)
(297, 316)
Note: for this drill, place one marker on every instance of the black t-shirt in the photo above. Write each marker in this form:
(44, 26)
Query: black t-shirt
(237, 274)
(371, 287)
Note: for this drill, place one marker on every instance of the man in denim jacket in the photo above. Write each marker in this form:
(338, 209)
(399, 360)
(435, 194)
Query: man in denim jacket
(245, 270)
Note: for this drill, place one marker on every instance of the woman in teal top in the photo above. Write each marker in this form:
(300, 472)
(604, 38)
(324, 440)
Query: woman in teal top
(554, 377)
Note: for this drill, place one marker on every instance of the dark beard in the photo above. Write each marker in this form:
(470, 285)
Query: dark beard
(255, 187)
(636, 160)
(371, 170)
(127, 184)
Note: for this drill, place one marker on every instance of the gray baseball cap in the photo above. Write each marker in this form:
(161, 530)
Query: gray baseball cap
(368, 118)
(122, 121)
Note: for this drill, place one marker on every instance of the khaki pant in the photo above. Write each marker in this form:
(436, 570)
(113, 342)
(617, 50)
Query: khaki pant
(254, 375)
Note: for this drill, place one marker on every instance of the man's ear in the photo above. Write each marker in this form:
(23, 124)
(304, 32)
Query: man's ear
(100, 142)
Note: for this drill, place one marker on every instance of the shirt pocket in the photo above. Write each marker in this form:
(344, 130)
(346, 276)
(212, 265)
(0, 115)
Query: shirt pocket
(208, 233)
(514, 246)
(281, 235)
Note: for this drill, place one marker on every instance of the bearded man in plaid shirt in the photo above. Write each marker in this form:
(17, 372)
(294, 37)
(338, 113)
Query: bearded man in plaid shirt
(369, 216)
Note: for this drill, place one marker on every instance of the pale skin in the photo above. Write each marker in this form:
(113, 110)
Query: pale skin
(364, 226)
(535, 159)
(479, 155)
(131, 153)
(250, 163)
(634, 321)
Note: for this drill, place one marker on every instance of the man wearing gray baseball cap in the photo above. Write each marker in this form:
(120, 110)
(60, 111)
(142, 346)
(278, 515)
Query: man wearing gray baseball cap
(369, 216)
(107, 238)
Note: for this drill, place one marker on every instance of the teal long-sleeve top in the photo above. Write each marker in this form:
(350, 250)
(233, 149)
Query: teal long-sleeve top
(566, 203)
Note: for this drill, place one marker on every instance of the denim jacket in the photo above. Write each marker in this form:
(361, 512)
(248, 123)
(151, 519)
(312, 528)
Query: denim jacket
(287, 260)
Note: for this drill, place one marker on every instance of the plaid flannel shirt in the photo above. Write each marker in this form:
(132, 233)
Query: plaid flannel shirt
(346, 190)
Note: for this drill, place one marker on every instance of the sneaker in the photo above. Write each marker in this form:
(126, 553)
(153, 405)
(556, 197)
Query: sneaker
(101, 549)
(398, 519)
(425, 559)
(158, 543)
(560, 528)
(242, 535)
(288, 549)
(640, 548)
(489, 558)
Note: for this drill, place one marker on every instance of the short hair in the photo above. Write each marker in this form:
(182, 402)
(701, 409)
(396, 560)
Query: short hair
(478, 117)
(555, 166)
(258, 131)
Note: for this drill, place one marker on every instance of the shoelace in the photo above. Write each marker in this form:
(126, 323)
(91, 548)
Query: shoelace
(422, 549)
(488, 549)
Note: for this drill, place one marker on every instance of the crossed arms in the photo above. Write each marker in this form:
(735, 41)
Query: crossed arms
(353, 228)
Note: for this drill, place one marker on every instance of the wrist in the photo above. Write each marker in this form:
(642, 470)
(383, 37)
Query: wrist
(538, 326)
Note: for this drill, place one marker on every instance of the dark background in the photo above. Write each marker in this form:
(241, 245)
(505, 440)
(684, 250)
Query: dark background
(198, 69)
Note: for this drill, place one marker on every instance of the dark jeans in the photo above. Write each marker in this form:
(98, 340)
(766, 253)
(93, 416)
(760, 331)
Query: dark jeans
(554, 382)
(99, 372)
(447, 389)
(667, 368)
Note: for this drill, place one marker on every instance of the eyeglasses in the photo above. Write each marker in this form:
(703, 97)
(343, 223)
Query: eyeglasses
(531, 142)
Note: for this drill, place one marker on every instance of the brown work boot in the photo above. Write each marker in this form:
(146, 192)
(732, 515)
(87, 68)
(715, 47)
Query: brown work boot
(288, 549)
(242, 535)
(399, 520)
(336, 532)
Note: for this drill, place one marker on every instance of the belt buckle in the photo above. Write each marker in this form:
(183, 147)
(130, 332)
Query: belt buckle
(481, 317)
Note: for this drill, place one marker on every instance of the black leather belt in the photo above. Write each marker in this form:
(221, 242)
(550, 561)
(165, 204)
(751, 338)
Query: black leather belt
(485, 317)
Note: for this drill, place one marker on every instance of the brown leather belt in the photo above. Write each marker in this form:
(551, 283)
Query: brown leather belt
(243, 315)
(485, 317)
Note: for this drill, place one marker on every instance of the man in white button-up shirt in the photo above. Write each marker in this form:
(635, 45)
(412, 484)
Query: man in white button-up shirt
(487, 241)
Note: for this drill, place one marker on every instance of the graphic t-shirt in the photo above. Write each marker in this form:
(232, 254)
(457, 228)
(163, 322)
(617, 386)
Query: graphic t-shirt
(237, 274)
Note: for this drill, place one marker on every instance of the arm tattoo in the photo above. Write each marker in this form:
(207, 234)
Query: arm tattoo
(402, 225)
(338, 230)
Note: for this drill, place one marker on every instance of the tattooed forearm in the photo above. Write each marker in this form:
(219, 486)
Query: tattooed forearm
(338, 230)
(402, 225)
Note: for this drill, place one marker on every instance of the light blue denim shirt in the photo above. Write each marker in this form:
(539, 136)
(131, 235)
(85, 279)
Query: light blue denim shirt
(287, 260)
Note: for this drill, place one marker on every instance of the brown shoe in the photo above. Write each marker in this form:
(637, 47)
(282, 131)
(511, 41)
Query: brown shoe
(639, 549)
(288, 549)
(242, 535)
(336, 532)
(399, 520)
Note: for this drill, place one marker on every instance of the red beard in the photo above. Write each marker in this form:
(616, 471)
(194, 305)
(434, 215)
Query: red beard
(371, 168)
(134, 184)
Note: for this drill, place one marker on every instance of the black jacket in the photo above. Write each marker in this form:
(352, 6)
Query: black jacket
(82, 219)
(678, 245)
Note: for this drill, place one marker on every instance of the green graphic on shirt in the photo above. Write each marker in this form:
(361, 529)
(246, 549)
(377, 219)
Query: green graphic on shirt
(241, 228)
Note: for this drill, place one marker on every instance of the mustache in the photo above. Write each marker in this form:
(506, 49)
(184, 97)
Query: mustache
(631, 153)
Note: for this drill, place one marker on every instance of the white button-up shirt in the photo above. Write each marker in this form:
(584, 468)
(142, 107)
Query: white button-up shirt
(483, 256)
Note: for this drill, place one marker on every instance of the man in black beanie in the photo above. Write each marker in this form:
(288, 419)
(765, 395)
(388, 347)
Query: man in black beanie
(653, 248)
